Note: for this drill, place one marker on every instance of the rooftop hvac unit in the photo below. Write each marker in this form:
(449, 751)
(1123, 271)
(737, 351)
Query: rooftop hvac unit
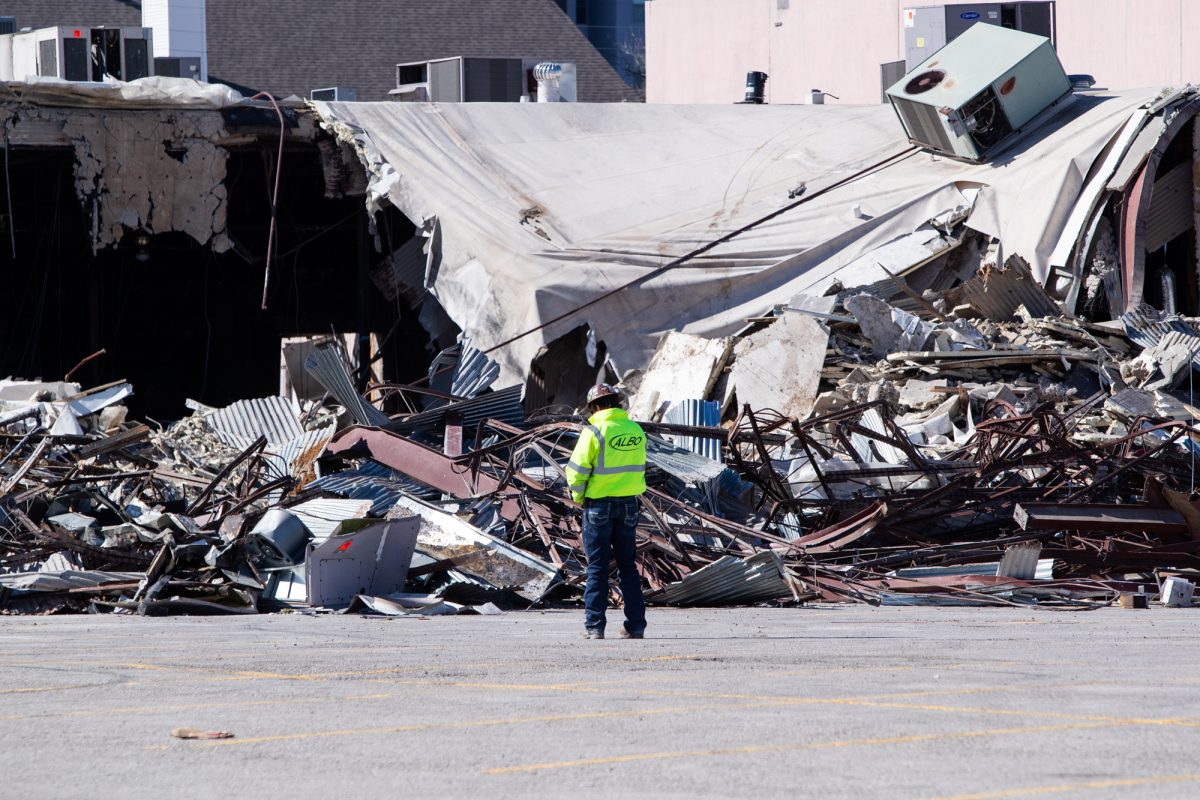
(77, 53)
(179, 67)
(928, 29)
(180, 31)
(466, 80)
(334, 94)
(980, 92)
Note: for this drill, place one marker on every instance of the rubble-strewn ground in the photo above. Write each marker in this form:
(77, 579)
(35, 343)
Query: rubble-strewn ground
(824, 702)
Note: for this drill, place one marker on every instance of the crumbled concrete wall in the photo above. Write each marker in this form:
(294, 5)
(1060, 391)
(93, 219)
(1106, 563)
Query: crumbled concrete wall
(156, 171)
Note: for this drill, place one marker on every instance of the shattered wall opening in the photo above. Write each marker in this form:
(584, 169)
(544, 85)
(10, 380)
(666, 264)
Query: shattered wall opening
(179, 319)
(1170, 282)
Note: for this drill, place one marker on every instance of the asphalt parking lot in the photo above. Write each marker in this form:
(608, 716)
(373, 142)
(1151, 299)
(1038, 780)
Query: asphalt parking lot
(828, 702)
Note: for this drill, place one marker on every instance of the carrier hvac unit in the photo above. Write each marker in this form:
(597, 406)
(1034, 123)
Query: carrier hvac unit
(928, 29)
(976, 94)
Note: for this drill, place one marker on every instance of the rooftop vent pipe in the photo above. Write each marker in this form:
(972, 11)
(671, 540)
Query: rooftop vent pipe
(548, 74)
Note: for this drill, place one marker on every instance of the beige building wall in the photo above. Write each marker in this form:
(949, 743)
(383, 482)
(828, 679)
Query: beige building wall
(699, 51)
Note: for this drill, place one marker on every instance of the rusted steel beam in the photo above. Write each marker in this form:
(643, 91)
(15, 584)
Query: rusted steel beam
(114, 442)
(844, 533)
(29, 464)
(421, 463)
(1098, 517)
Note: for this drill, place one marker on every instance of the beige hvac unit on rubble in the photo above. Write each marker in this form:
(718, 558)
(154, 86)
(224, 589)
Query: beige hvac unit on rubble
(978, 94)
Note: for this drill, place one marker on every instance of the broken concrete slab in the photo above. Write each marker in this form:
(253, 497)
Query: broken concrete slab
(1164, 365)
(779, 367)
(683, 366)
(918, 394)
(889, 329)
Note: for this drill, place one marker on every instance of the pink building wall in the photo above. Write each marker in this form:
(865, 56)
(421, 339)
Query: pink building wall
(699, 51)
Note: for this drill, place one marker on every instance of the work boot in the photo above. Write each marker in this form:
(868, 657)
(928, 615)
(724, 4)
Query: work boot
(594, 633)
(628, 634)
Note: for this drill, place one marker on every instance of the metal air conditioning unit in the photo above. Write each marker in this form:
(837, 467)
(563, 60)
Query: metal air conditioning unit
(980, 92)
(460, 80)
(179, 67)
(180, 32)
(334, 94)
(928, 29)
(468, 80)
(78, 53)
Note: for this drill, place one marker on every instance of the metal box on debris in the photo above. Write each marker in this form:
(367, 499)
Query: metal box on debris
(1177, 592)
(360, 557)
(980, 92)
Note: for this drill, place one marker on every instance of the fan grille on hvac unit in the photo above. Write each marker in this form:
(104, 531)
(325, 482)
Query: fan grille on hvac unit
(924, 124)
(925, 81)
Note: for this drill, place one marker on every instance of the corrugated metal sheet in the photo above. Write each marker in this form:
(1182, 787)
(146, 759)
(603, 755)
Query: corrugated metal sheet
(326, 365)
(730, 581)
(298, 456)
(1020, 561)
(376, 483)
(999, 292)
(504, 405)
(697, 413)
(1171, 209)
(1175, 344)
(239, 424)
(872, 420)
(1043, 570)
(323, 515)
(1146, 326)
(682, 464)
(474, 372)
(470, 372)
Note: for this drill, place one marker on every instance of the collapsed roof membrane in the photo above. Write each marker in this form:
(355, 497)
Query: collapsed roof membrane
(541, 210)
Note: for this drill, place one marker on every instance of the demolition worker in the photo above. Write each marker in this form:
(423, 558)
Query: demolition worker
(607, 474)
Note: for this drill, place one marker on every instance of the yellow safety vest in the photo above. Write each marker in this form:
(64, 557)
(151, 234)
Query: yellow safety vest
(609, 459)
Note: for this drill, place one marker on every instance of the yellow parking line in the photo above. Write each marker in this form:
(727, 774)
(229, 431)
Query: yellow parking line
(428, 726)
(866, 701)
(284, 676)
(1073, 788)
(786, 747)
(898, 667)
(166, 709)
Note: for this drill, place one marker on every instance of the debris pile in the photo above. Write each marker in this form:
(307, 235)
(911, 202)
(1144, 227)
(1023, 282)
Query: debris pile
(977, 450)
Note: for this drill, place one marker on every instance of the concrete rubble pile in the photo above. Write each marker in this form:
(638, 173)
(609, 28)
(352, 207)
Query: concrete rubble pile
(866, 446)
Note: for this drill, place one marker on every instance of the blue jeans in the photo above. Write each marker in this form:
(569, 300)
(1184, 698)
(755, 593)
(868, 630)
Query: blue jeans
(608, 530)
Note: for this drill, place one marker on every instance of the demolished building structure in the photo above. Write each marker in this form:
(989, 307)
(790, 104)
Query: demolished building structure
(872, 373)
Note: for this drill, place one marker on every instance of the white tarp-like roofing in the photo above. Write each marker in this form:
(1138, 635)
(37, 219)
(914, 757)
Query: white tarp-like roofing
(534, 210)
(153, 92)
